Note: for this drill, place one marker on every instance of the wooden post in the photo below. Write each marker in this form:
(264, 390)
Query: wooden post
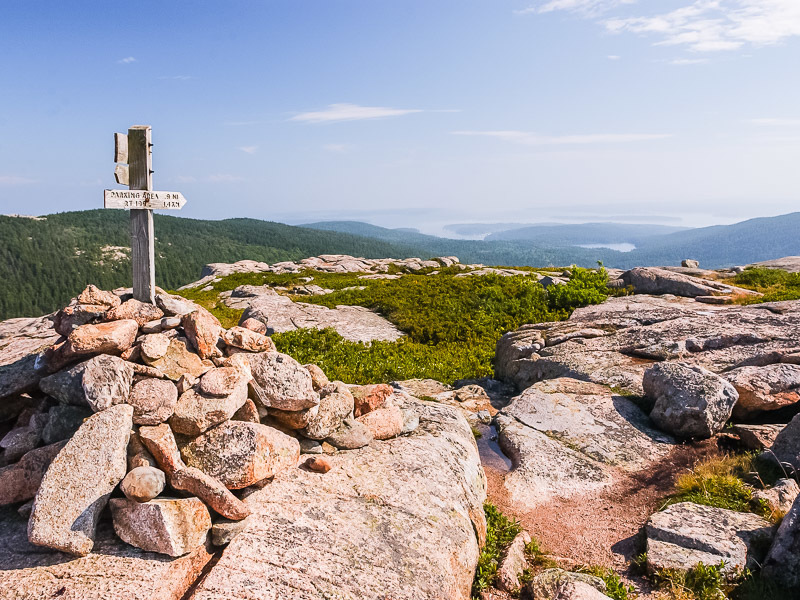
(142, 234)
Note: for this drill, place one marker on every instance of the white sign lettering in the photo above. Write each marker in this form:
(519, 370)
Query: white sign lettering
(143, 199)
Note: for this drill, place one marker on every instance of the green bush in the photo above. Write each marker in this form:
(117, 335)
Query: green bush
(500, 532)
(384, 362)
(703, 582)
(585, 287)
(718, 482)
(452, 324)
(775, 284)
(615, 587)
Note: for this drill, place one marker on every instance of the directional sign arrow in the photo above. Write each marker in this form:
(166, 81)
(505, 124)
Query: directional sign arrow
(143, 199)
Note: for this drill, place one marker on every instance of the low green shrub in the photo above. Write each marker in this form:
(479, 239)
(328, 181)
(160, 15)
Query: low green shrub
(615, 587)
(537, 556)
(718, 482)
(703, 582)
(500, 532)
(452, 324)
(775, 284)
(383, 362)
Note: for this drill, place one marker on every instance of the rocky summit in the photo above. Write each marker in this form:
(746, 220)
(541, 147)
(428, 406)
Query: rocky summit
(151, 452)
(183, 426)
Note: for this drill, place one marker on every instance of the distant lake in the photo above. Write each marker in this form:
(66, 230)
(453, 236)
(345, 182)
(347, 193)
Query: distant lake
(624, 247)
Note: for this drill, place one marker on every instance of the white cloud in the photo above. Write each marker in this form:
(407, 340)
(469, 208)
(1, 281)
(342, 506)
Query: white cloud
(589, 8)
(777, 122)
(351, 112)
(248, 149)
(127, 60)
(15, 180)
(688, 61)
(700, 25)
(534, 139)
(613, 57)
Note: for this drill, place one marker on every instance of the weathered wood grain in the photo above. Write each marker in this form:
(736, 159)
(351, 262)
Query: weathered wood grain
(120, 148)
(121, 174)
(142, 233)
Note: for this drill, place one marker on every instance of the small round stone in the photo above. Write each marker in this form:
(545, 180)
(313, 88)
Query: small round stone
(320, 464)
(142, 484)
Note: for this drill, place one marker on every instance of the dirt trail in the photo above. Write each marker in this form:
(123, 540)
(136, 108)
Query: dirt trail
(602, 528)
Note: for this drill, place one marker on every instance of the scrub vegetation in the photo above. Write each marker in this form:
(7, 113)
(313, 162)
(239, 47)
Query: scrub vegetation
(451, 324)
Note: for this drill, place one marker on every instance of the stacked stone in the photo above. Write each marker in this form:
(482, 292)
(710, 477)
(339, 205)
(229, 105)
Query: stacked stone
(168, 418)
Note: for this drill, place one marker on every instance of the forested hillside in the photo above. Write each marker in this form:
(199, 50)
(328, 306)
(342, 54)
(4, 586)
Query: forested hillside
(43, 263)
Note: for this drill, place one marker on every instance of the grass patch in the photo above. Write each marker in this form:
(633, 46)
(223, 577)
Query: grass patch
(384, 362)
(775, 284)
(708, 582)
(615, 587)
(537, 556)
(719, 482)
(500, 532)
(704, 582)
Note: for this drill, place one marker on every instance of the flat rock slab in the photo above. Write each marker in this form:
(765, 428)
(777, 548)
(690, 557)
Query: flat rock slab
(396, 519)
(686, 534)
(78, 482)
(787, 263)
(113, 570)
(567, 437)
(20, 341)
(652, 280)
(613, 343)
(354, 323)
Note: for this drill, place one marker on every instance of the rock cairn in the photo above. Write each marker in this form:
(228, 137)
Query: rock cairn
(169, 419)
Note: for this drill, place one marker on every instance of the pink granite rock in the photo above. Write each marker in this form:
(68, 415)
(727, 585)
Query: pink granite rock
(161, 443)
(153, 401)
(383, 423)
(203, 330)
(93, 295)
(254, 325)
(142, 484)
(171, 526)
(369, 397)
(20, 481)
(240, 454)
(78, 482)
(196, 412)
(75, 315)
(318, 378)
(106, 338)
(221, 382)
(287, 385)
(141, 312)
(336, 404)
(246, 339)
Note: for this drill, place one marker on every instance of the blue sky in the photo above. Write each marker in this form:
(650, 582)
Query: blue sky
(410, 113)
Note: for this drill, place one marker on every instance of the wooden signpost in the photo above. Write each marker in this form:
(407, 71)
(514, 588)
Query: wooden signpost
(135, 149)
